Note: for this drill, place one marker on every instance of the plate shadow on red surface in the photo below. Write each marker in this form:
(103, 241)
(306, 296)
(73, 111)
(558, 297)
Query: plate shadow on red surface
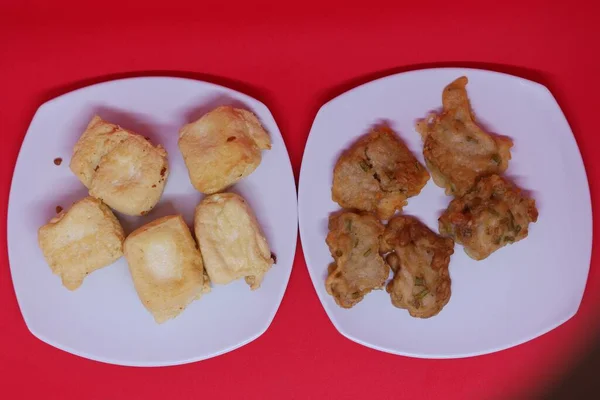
(532, 75)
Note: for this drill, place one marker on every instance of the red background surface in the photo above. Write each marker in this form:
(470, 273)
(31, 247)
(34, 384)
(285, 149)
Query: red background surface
(292, 57)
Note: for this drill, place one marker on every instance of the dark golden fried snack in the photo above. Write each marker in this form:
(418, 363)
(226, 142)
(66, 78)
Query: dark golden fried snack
(353, 240)
(419, 259)
(456, 150)
(377, 174)
(491, 215)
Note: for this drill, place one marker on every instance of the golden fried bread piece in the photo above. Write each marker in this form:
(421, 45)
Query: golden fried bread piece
(377, 174)
(354, 241)
(166, 267)
(81, 240)
(491, 215)
(419, 259)
(232, 243)
(119, 167)
(222, 147)
(457, 151)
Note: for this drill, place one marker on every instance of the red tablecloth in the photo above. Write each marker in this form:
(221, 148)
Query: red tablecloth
(292, 57)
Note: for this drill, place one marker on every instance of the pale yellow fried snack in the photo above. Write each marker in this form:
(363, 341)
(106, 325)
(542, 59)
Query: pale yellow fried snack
(222, 147)
(457, 151)
(119, 167)
(493, 214)
(377, 174)
(81, 240)
(232, 243)
(420, 260)
(354, 243)
(166, 267)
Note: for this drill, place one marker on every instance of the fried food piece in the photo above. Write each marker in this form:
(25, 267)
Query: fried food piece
(119, 167)
(377, 174)
(457, 151)
(419, 259)
(98, 139)
(354, 241)
(166, 267)
(81, 240)
(222, 147)
(232, 243)
(493, 214)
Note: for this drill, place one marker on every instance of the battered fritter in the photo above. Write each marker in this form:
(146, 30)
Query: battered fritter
(377, 174)
(354, 242)
(493, 214)
(420, 260)
(457, 151)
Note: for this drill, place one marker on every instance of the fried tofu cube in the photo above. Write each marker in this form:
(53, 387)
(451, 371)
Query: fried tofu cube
(119, 167)
(231, 240)
(166, 267)
(81, 240)
(222, 147)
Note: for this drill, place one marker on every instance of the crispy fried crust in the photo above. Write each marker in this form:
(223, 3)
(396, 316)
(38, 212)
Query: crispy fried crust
(166, 267)
(119, 167)
(493, 214)
(354, 241)
(377, 174)
(232, 243)
(457, 151)
(98, 139)
(420, 260)
(222, 147)
(81, 240)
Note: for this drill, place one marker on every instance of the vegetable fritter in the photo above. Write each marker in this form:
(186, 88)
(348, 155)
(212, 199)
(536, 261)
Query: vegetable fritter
(377, 174)
(419, 259)
(354, 242)
(491, 215)
(457, 151)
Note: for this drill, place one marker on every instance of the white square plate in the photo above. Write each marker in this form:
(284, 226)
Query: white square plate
(519, 292)
(104, 320)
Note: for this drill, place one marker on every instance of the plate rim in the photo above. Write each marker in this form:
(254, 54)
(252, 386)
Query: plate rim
(303, 229)
(145, 364)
